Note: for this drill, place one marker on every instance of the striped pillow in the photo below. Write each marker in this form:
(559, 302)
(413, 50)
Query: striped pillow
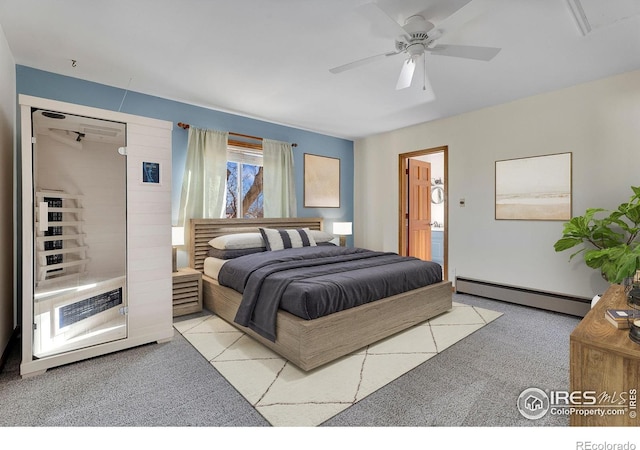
(293, 238)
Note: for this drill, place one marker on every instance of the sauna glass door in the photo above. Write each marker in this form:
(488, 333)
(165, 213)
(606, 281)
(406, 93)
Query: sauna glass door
(80, 232)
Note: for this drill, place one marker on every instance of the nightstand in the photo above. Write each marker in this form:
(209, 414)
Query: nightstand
(187, 291)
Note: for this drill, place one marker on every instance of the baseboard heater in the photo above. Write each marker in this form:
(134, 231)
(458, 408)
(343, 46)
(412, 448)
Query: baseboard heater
(575, 306)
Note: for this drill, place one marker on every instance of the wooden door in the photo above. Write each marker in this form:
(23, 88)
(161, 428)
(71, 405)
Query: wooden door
(419, 209)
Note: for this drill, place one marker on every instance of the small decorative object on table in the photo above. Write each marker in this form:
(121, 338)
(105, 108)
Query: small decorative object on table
(633, 298)
(634, 330)
(621, 318)
(633, 322)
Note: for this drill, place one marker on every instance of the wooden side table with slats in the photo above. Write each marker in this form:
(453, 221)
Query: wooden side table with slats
(187, 291)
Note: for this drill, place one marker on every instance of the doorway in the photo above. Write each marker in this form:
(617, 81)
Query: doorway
(423, 216)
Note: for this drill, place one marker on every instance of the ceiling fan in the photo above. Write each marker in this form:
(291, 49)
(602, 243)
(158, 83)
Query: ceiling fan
(415, 38)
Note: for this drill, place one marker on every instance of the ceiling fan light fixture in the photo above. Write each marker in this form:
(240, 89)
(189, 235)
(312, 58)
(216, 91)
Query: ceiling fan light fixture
(416, 49)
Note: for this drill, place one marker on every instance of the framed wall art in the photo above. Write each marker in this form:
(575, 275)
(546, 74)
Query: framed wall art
(151, 172)
(534, 188)
(321, 181)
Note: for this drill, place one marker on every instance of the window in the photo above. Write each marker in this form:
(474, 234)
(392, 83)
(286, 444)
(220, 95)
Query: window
(244, 184)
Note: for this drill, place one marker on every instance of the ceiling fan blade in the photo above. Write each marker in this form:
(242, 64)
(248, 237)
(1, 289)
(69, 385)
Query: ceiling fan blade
(406, 74)
(472, 11)
(437, 12)
(361, 62)
(372, 12)
(465, 51)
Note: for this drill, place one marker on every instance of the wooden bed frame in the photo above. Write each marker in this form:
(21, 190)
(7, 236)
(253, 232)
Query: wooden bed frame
(311, 343)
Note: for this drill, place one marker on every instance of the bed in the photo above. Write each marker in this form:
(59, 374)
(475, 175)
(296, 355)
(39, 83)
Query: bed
(310, 343)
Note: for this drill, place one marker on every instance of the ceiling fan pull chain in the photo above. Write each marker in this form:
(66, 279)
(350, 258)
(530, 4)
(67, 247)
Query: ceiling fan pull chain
(424, 72)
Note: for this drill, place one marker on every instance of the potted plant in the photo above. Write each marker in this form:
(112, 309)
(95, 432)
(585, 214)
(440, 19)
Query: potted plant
(609, 239)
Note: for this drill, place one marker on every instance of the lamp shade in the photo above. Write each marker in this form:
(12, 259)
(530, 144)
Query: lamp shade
(342, 228)
(177, 236)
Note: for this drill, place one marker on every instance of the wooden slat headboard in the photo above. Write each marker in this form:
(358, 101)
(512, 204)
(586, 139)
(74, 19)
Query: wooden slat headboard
(203, 230)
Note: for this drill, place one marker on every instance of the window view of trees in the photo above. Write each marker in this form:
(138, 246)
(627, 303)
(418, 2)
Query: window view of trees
(244, 190)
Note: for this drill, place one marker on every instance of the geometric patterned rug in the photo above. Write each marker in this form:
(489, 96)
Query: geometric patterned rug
(287, 396)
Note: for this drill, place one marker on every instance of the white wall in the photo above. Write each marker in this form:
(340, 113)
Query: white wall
(599, 122)
(7, 144)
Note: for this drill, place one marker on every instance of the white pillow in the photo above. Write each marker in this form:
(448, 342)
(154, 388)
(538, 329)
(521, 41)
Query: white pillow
(321, 236)
(237, 241)
(290, 238)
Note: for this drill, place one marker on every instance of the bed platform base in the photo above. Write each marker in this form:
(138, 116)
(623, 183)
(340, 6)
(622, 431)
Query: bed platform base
(312, 343)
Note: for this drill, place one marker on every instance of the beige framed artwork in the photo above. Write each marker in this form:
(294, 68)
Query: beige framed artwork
(321, 181)
(534, 188)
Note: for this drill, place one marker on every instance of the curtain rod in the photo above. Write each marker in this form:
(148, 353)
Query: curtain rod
(186, 126)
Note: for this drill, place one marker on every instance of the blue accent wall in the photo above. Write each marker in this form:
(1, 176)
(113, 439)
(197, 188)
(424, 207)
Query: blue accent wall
(38, 83)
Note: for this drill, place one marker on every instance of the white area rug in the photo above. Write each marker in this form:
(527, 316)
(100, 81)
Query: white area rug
(288, 396)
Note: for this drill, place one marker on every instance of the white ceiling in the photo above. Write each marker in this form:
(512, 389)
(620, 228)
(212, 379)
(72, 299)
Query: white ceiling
(270, 59)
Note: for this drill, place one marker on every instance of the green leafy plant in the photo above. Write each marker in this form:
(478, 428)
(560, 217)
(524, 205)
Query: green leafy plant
(610, 239)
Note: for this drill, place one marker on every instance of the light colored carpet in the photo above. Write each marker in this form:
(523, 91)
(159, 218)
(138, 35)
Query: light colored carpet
(287, 396)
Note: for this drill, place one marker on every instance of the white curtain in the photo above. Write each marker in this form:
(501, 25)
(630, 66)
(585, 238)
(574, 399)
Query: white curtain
(204, 183)
(278, 187)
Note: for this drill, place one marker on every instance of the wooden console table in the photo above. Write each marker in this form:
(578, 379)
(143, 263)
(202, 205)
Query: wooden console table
(603, 359)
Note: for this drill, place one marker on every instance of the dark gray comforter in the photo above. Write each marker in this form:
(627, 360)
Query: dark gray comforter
(312, 282)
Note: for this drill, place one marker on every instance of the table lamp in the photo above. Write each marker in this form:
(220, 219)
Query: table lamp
(177, 239)
(342, 229)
